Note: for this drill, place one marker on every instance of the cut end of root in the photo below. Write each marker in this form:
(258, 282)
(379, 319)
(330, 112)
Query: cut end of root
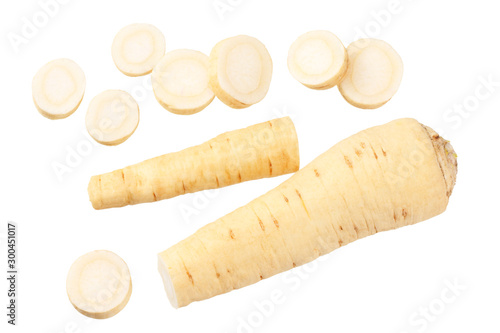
(180, 82)
(240, 71)
(373, 75)
(112, 117)
(167, 282)
(58, 88)
(318, 60)
(447, 158)
(99, 284)
(137, 48)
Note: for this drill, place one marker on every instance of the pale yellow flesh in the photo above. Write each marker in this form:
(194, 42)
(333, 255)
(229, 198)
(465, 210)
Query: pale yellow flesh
(373, 75)
(99, 284)
(112, 117)
(240, 71)
(357, 188)
(58, 88)
(264, 150)
(137, 48)
(180, 82)
(317, 59)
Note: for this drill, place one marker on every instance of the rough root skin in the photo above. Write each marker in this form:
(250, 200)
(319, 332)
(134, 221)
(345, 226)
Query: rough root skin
(447, 158)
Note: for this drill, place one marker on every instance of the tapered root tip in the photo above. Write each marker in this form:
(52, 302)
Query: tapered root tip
(447, 158)
(167, 283)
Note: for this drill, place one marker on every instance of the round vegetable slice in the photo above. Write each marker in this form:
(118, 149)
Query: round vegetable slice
(180, 82)
(99, 284)
(137, 48)
(318, 59)
(240, 71)
(58, 88)
(112, 117)
(374, 74)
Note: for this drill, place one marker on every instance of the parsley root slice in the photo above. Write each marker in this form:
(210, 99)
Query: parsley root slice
(373, 75)
(240, 71)
(58, 88)
(264, 150)
(112, 117)
(99, 284)
(380, 179)
(317, 59)
(180, 82)
(137, 48)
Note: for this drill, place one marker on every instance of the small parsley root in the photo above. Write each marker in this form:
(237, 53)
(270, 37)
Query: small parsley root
(264, 150)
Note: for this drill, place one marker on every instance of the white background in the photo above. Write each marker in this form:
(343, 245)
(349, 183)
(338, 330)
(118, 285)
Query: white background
(375, 285)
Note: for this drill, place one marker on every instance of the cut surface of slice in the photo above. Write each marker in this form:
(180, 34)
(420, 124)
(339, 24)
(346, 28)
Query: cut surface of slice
(99, 284)
(137, 48)
(240, 71)
(373, 75)
(112, 117)
(318, 59)
(58, 88)
(180, 82)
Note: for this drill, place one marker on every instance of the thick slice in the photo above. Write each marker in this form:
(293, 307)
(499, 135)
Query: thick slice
(137, 48)
(99, 284)
(112, 117)
(240, 71)
(58, 88)
(264, 150)
(374, 74)
(318, 59)
(180, 82)
(380, 179)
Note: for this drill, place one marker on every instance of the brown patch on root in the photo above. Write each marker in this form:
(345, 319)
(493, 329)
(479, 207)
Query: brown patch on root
(358, 152)
(348, 162)
(302, 201)
(190, 277)
(231, 234)
(363, 145)
(404, 213)
(261, 224)
(374, 153)
(286, 199)
(316, 172)
(276, 223)
(384, 152)
(270, 167)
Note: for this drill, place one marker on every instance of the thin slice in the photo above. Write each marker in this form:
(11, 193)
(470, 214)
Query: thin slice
(137, 48)
(180, 82)
(112, 117)
(374, 74)
(318, 59)
(240, 71)
(58, 88)
(99, 284)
